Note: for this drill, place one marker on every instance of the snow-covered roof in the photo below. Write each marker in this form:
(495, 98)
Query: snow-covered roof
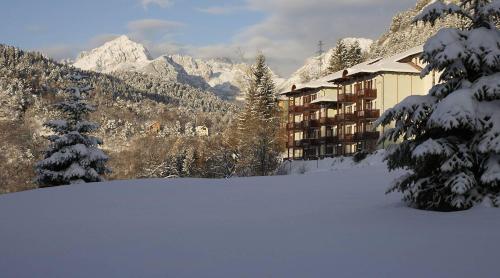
(315, 84)
(324, 99)
(390, 64)
(408, 53)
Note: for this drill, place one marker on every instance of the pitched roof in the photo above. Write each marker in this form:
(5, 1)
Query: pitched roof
(315, 84)
(390, 64)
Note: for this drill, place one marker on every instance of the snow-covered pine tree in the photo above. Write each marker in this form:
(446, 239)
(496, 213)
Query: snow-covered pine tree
(73, 155)
(338, 59)
(258, 126)
(451, 137)
(354, 55)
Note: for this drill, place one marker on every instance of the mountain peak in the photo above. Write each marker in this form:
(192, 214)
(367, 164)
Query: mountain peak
(123, 38)
(120, 53)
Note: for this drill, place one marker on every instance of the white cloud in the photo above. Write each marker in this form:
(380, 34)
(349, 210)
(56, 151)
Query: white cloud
(291, 29)
(100, 40)
(161, 3)
(219, 10)
(287, 34)
(152, 29)
(60, 51)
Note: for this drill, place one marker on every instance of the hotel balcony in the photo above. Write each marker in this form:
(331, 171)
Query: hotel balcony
(368, 94)
(347, 98)
(328, 140)
(296, 109)
(363, 136)
(346, 138)
(371, 114)
(311, 123)
(328, 121)
(309, 141)
(347, 117)
(311, 106)
(294, 126)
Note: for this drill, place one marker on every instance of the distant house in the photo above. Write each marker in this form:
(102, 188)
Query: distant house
(334, 115)
(201, 131)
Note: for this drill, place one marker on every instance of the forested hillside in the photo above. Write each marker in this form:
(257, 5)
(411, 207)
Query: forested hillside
(129, 106)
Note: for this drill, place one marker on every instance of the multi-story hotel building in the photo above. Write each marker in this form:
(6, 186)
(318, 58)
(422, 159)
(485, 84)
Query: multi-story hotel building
(334, 115)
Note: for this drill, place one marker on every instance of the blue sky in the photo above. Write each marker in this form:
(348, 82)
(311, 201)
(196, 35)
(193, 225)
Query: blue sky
(286, 31)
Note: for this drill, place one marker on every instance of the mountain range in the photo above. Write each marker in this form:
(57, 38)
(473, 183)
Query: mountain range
(220, 76)
(225, 78)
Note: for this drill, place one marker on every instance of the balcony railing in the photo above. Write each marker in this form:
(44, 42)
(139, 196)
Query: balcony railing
(367, 93)
(362, 136)
(349, 98)
(327, 121)
(311, 106)
(349, 117)
(311, 123)
(329, 140)
(296, 108)
(309, 141)
(346, 137)
(368, 114)
(291, 126)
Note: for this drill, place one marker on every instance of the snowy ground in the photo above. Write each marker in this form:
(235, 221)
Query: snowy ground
(321, 224)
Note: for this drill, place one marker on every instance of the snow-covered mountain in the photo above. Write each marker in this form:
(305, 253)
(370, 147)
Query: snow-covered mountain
(221, 76)
(118, 54)
(314, 66)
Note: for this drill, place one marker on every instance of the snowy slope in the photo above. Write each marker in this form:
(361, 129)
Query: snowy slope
(222, 76)
(118, 54)
(334, 223)
(311, 67)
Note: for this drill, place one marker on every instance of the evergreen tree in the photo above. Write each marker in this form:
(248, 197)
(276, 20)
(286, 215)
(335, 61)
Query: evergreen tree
(258, 146)
(338, 59)
(354, 55)
(345, 56)
(73, 155)
(451, 137)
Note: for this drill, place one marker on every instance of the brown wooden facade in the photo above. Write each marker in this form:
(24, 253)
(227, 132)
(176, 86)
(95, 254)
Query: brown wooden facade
(325, 134)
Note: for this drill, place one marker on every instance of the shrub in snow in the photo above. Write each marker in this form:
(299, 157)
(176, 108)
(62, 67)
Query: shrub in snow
(451, 137)
(73, 155)
(360, 156)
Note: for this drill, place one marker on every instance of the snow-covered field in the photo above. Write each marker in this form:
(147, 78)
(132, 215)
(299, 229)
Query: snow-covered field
(326, 223)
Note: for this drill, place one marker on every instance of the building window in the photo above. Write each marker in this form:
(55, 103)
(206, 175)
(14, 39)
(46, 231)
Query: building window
(369, 84)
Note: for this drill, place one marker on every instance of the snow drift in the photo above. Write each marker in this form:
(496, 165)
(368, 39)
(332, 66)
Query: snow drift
(327, 224)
